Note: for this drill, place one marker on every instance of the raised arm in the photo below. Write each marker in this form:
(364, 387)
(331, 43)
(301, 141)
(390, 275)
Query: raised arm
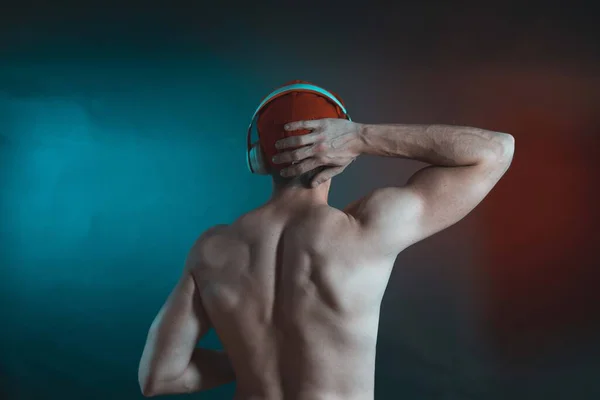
(171, 363)
(466, 164)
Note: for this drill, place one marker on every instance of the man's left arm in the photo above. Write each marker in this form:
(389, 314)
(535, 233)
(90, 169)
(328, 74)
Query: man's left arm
(171, 363)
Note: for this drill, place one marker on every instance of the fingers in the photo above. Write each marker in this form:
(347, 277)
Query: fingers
(327, 174)
(297, 141)
(299, 169)
(295, 126)
(302, 140)
(295, 155)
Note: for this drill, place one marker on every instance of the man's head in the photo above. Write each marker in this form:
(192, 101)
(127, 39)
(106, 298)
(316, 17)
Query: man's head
(290, 107)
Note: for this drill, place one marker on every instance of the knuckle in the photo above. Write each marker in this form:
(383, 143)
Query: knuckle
(320, 147)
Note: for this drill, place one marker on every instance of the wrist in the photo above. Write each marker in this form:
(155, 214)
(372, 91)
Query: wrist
(387, 140)
(364, 131)
(368, 137)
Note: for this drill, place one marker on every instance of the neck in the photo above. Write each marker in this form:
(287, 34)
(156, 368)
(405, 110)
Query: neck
(299, 193)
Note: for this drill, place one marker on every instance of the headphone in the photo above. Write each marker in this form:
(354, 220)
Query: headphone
(254, 155)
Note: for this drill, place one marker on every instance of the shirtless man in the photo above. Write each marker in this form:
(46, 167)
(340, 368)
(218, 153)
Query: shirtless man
(294, 288)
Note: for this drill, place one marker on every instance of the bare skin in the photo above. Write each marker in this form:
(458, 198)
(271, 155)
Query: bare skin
(294, 288)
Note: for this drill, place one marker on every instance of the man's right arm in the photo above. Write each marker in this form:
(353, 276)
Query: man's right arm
(466, 163)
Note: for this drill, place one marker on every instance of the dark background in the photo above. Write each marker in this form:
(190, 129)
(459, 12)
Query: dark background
(122, 137)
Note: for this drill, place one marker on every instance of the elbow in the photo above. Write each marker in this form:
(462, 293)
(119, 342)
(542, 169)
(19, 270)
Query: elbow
(148, 391)
(149, 384)
(502, 150)
(147, 387)
(507, 149)
(508, 143)
(150, 387)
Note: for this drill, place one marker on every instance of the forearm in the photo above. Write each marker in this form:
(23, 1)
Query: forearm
(442, 145)
(207, 369)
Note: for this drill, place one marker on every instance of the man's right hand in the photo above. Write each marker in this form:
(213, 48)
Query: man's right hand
(333, 143)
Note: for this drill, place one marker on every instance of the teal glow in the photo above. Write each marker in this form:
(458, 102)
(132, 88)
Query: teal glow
(109, 173)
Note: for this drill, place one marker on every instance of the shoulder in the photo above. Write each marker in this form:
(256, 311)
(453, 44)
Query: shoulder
(205, 245)
(212, 232)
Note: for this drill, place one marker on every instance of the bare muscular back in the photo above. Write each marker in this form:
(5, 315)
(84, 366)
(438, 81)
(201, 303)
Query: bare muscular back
(293, 289)
(294, 298)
